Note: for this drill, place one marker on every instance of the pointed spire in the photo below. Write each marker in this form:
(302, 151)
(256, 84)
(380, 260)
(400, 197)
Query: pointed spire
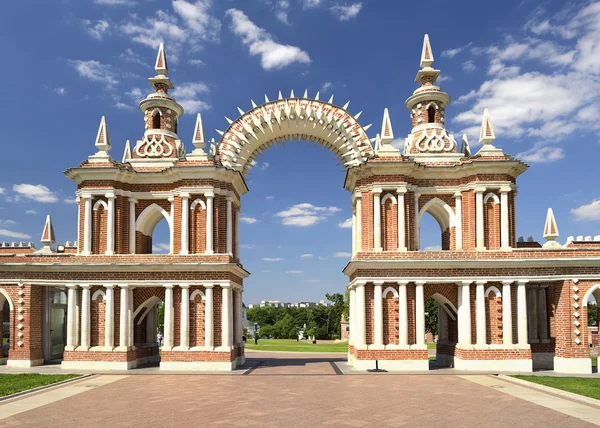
(330, 100)
(253, 103)
(280, 96)
(387, 133)
(103, 139)
(427, 53)
(466, 148)
(242, 112)
(487, 135)
(346, 106)
(127, 152)
(229, 121)
(551, 231)
(161, 66)
(198, 140)
(48, 233)
(292, 94)
(305, 94)
(317, 96)
(267, 99)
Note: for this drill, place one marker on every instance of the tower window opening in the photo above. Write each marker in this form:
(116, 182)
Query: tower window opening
(431, 114)
(156, 119)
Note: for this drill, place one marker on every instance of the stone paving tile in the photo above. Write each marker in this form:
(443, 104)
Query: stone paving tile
(292, 401)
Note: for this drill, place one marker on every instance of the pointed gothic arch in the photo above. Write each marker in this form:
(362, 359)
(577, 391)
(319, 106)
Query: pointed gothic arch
(294, 119)
(4, 296)
(149, 218)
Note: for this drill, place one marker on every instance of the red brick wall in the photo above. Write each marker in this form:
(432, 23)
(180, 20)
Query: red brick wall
(491, 222)
(370, 313)
(390, 319)
(389, 223)
(367, 221)
(198, 230)
(99, 230)
(468, 220)
(493, 312)
(97, 318)
(197, 308)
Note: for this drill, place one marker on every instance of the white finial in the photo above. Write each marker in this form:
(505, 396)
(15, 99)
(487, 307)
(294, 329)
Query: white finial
(387, 133)
(330, 100)
(253, 104)
(305, 94)
(346, 106)
(466, 148)
(550, 230)
(198, 141)
(48, 237)
(280, 96)
(241, 111)
(266, 99)
(161, 66)
(127, 152)
(427, 53)
(487, 135)
(317, 96)
(103, 139)
(292, 94)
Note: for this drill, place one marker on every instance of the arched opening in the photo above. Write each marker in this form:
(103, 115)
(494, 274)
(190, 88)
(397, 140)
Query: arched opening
(153, 231)
(440, 213)
(156, 119)
(148, 324)
(5, 316)
(99, 226)
(431, 114)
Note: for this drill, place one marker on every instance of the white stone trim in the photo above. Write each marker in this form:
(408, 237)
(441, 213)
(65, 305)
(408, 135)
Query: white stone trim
(388, 290)
(494, 289)
(491, 196)
(440, 210)
(494, 365)
(98, 293)
(389, 196)
(197, 202)
(591, 291)
(195, 294)
(99, 365)
(4, 293)
(147, 305)
(24, 363)
(443, 301)
(573, 365)
(98, 203)
(148, 219)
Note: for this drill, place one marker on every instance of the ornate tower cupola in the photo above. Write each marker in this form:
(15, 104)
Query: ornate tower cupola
(427, 107)
(160, 144)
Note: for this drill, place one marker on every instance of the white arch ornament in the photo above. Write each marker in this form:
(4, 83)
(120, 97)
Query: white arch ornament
(441, 211)
(4, 296)
(294, 119)
(594, 291)
(148, 219)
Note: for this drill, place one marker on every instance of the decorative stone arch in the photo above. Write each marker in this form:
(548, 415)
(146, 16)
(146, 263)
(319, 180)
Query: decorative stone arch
(197, 293)
(149, 218)
(441, 211)
(594, 291)
(4, 296)
(446, 304)
(494, 289)
(146, 306)
(197, 202)
(492, 196)
(390, 290)
(100, 203)
(98, 293)
(387, 197)
(294, 119)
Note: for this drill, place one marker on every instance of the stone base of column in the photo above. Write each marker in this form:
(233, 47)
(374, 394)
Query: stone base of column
(573, 365)
(493, 358)
(3, 361)
(24, 363)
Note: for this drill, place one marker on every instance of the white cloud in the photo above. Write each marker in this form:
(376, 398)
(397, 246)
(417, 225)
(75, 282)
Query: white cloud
(96, 29)
(469, 66)
(123, 106)
(306, 256)
(451, 53)
(130, 56)
(295, 272)
(31, 212)
(188, 95)
(95, 71)
(541, 153)
(135, 93)
(196, 62)
(272, 259)
(36, 192)
(248, 220)
(60, 91)
(346, 223)
(70, 201)
(7, 222)
(590, 211)
(2, 190)
(11, 234)
(282, 8)
(305, 214)
(309, 4)
(326, 87)
(115, 2)
(248, 246)
(269, 198)
(341, 254)
(265, 271)
(346, 12)
(312, 281)
(444, 78)
(161, 248)
(433, 248)
(274, 56)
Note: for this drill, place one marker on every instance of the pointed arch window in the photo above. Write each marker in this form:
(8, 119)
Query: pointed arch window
(431, 114)
(156, 119)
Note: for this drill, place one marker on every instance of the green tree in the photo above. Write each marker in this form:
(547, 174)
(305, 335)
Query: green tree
(592, 314)
(160, 317)
(431, 316)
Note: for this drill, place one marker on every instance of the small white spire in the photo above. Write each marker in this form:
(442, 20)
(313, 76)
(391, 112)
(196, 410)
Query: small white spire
(550, 230)
(127, 152)
(487, 135)
(466, 148)
(317, 96)
(305, 94)
(103, 139)
(253, 104)
(292, 94)
(242, 112)
(198, 141)
(266, 99)
(48, 238)
(346, 106)
(161, 66)
(330, 100)
(387, 133)
(427, 53)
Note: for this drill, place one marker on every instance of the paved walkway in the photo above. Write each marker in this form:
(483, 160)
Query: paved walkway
(295, 391)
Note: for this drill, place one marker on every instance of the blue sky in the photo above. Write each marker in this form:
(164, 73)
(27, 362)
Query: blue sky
(68, 62)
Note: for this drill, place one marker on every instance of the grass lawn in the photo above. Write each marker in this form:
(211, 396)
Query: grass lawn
(595, 362)
(588, 387)
(431, 345)
(293, 345)
(13, 383)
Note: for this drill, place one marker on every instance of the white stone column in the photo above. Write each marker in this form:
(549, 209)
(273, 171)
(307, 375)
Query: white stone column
(532, 313)
(109, 318)
(464, 316)
(77, 313)
(87, 225)
(417, 222)
(352, 320)
(504, 235)
(377, 220)
(480, 313)
(378, 313)
(132, 203)
(420, 313)
(507, 338)
(184, 330)
(229, 228)
(130, 336)
(169, 317)
(236, 247)
(402, 314)
(172, 225)
(71, 322)
(458, 217)
(522, 313)
(360, 340)
(110, 224)
(78, 200)
(237, 316)
(209, 325)
(209, 223)
(226, 313)
(401, 220)
(85, 315)
(185, 223)
(359, 222)
(354, 237)
(479, 217)
(543, 314)
(124, 318)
